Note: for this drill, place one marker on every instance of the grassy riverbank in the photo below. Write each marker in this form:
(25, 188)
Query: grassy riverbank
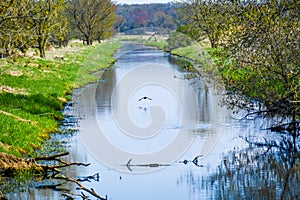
(208, 58)
(274, 86)
(34, 90)
(159, 44)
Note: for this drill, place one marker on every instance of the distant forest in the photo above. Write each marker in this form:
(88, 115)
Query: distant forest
(136, 16)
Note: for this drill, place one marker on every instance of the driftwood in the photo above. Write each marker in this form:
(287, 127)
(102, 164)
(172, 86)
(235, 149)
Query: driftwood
(10, 164)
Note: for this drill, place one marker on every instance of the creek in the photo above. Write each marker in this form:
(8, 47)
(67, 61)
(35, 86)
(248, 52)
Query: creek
(153, 130)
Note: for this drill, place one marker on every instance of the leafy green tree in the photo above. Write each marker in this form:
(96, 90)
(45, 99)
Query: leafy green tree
(59, 35)
(264, 76)
(177, 39)
(15, 32)
(94, 19)
(29, 23)
(191, 32)
(205, 19)
(46, 18)
(163, 20)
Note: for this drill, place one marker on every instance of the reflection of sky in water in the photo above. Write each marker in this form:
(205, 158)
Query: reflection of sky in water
(139, 112)
(140, 115)
(175, 99)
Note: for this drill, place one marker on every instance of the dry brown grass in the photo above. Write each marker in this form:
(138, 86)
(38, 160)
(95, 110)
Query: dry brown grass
(8, 89)
(12, 163)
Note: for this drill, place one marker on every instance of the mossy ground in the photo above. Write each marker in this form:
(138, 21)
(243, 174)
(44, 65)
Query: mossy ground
(34, 90)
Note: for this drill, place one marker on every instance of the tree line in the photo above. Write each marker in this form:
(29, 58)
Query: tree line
(258, 42)
(31, 23)
(157, 15)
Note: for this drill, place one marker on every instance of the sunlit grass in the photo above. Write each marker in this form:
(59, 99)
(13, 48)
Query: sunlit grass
(34, 90)
(195, 53)
(99, 58)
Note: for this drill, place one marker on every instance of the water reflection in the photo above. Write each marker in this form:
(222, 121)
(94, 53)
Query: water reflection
(267, 169)
(175, 111)
(107, 83)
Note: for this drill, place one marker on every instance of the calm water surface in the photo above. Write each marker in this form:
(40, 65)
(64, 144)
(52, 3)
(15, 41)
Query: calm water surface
(185, 122)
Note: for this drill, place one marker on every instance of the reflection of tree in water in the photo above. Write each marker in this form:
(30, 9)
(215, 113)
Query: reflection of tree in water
(265, 170)
(105, 89)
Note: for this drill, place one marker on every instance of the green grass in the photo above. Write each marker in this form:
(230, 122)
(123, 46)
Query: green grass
(35, 91)
(195, 53)
(159, 44)
(99, 58)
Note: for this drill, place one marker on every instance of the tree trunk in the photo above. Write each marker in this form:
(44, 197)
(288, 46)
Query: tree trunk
(42, 52)
(41, 46)
(89, 41)
(213, 42)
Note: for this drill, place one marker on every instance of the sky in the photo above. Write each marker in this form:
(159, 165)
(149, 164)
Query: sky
(140, 1)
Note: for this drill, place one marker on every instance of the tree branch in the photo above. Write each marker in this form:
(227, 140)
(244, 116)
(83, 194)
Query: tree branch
(81, 187)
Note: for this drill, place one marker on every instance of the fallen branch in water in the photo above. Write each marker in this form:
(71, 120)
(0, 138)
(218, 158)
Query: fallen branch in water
(94, 177)
(52, 157)
(81, 187)
(71, 195)
(129, 165)
(10, 164)
(56, 168)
